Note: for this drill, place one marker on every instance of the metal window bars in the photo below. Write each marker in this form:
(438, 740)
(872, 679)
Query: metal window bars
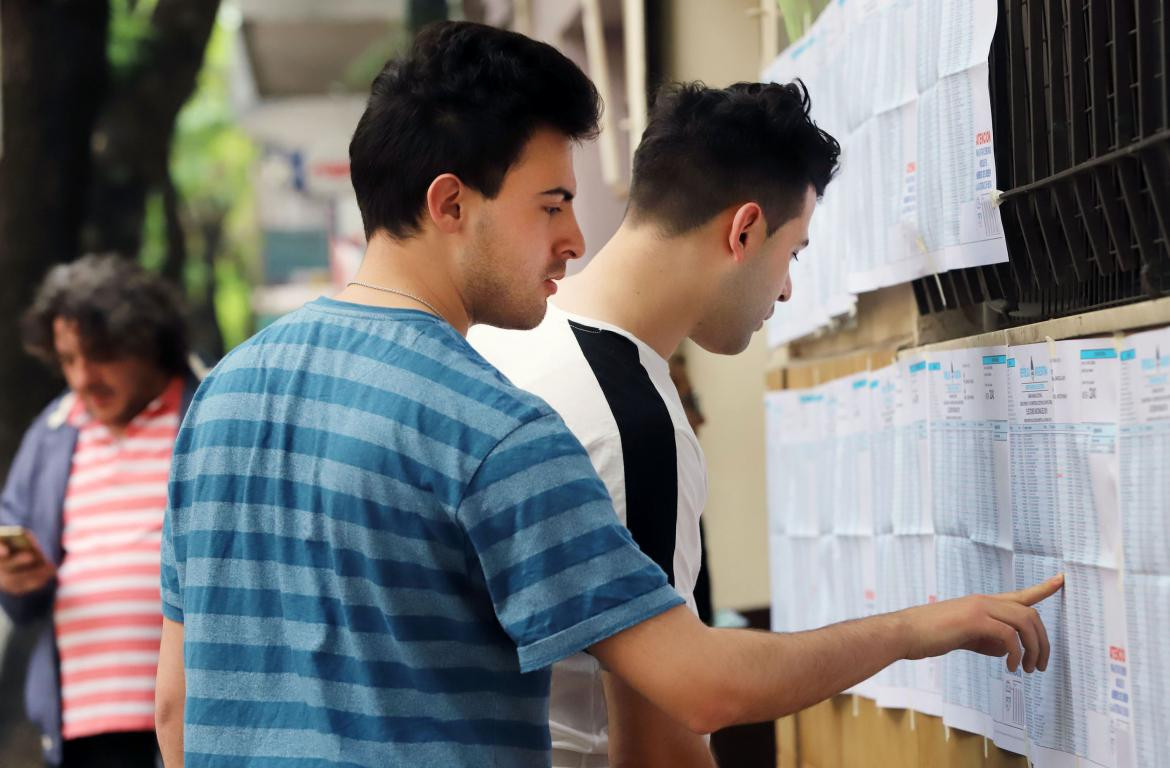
(1080, 93)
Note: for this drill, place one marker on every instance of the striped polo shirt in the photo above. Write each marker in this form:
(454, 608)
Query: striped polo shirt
(107, 613)
(378, 546)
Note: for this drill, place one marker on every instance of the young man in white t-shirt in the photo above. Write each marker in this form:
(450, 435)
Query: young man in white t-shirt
(724, 185)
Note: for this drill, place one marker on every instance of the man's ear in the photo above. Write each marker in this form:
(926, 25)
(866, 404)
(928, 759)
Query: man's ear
(746, 223)
(446, 199)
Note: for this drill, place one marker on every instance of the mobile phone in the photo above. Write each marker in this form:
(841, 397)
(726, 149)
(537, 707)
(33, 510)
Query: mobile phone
(15, 537)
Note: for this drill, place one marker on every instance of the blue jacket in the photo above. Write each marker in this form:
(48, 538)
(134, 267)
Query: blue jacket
(34, 496)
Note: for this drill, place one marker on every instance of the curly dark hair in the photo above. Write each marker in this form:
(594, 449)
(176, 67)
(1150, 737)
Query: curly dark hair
(465, 101)
(121, 310)
(706, 149)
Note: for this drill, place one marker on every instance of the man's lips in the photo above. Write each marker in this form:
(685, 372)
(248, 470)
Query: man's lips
(550, 282)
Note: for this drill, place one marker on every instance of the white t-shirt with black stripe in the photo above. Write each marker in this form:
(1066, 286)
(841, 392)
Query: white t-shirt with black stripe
(615, 394)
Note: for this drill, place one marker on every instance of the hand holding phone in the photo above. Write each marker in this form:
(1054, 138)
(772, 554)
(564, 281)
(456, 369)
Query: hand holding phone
(23, 565)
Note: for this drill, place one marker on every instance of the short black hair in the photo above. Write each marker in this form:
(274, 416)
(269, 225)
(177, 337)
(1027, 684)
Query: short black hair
(465, 100)
(705, 149)
(121, 311)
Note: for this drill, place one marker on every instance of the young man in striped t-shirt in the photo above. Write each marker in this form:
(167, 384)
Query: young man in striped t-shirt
(376, 545)
(89, 486)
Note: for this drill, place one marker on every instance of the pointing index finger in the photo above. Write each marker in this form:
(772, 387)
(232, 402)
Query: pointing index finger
(1036, 593)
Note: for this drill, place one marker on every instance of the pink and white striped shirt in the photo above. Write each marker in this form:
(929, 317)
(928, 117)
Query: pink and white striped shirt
(108, 614)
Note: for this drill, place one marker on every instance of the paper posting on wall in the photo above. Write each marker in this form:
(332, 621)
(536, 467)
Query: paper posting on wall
(1010, 465)
(1086, 394)
(903, 86)
(1047, 711)
(972, 513)
(1145, 501)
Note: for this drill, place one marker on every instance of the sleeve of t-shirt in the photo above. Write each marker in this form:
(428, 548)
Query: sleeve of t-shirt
(172, 592)
(561, 570)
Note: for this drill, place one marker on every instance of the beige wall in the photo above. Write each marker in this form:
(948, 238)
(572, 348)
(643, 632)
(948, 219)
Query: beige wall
(718, 42)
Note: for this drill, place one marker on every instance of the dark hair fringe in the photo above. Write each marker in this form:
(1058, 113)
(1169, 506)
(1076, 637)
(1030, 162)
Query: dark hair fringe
(464, 101)
(121, 309)
(705, 149)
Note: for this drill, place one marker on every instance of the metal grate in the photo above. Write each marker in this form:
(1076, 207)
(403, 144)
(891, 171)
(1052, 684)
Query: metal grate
(1080, 98)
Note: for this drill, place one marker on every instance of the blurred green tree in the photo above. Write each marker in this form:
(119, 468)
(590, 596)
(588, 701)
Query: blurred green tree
(96, 156)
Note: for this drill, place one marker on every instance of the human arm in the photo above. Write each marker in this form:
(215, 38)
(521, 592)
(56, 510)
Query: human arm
(708, 679)
(661, 511)
(641, 734)
(26, 576)
(25, 571)
(170, 693)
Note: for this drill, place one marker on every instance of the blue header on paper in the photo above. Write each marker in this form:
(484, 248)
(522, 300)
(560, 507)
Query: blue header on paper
(936, 366)
(1098, 354)
(1128, 354)
(811, 398)
(802, 47)
(1011, 362)
(860, 384)
(994, 359)
(919, 366)
(873, 384)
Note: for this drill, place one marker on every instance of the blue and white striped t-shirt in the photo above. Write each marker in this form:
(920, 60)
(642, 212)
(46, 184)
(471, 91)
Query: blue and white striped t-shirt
(377, 546)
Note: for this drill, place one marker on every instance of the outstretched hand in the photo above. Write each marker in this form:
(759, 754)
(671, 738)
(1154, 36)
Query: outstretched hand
(994, 625)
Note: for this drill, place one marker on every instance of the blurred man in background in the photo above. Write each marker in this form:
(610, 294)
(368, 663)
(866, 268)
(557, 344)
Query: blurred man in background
(88, 490)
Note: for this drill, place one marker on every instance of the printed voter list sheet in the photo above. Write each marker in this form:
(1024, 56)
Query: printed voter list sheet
(895, 684)
(972, 512)
(1047, 714)
(913, 516)
(853, 528)
(958, 218)
(1144, 453)
(903, 86)
(1086, 402)
(800, 444)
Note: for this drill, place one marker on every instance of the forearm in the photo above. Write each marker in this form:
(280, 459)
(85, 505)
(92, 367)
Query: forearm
(170, 740)
(642, 735)
(170, 694)
(708, 679)
(764, 676)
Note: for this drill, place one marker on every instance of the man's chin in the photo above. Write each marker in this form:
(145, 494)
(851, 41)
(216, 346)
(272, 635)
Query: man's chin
(516, 319)
(110, 417)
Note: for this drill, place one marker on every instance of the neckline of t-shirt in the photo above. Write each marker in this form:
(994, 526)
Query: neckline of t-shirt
(604, 326)
(336, 306)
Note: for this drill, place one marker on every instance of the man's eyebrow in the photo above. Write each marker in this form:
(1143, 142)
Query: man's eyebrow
(566, 194)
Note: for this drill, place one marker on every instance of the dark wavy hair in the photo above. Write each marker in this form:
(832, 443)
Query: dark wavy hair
(465, 101)
(706, 149)
(121, 310)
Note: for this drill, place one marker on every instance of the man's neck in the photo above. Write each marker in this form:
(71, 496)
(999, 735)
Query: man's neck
(414, 267)
(642, 283)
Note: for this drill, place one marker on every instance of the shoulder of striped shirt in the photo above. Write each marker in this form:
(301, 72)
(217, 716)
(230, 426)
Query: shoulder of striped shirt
(60, 413)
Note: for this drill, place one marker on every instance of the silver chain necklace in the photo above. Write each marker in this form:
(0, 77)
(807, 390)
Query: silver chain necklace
(372, 287)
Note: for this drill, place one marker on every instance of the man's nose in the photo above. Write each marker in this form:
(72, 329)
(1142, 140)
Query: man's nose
(573, 246)
(84, 374)
(786, 293)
